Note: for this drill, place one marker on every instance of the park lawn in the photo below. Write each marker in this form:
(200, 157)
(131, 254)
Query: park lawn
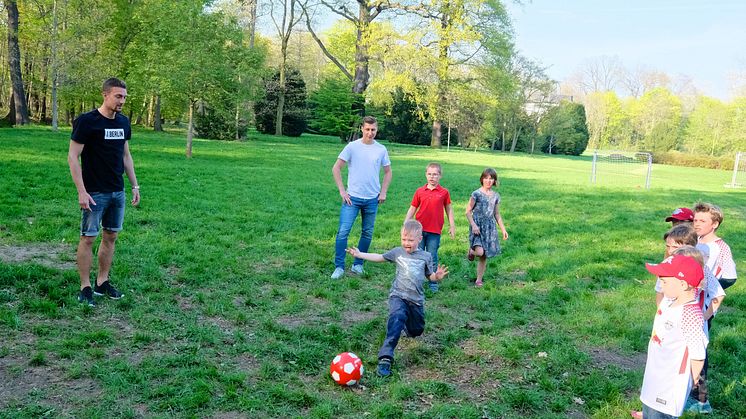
(229, 310)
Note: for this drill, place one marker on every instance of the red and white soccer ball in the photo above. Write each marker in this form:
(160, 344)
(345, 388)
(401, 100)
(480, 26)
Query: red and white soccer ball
(346, 369)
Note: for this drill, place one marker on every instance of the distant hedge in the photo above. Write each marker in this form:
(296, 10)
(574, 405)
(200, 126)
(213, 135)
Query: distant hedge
(677, 158)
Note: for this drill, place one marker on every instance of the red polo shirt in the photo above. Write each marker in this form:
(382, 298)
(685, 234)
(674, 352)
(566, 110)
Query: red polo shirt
(430, 204)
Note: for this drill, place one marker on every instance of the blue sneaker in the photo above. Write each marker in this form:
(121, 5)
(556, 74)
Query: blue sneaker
(699, 407)
(434, 286)
(384, 367)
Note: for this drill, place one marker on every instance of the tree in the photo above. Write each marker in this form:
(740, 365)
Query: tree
(708, 127)
(656, 119)
(284, 22)
(295, 113)
(564, 129)
(19, 109)
(333, 107)
(405, 123)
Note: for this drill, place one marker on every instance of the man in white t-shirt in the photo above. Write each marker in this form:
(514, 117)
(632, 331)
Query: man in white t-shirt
(365, 158)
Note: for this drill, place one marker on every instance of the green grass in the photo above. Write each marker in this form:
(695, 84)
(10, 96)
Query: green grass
(229, 309)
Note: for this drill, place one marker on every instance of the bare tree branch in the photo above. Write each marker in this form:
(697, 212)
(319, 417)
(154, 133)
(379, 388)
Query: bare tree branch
(326, 52)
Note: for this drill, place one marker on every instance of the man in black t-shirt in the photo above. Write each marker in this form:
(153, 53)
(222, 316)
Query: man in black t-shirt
(98, 155)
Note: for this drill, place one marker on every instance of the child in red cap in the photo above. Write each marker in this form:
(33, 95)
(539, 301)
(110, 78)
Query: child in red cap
(677, 346)
(681, 215)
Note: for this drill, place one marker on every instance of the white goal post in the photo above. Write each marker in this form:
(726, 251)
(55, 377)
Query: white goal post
(739, 171)
(621, 167)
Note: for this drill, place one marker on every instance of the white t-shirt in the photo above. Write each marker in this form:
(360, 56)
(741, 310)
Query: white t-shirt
(721, 260)
(677, 338)
(364, 162)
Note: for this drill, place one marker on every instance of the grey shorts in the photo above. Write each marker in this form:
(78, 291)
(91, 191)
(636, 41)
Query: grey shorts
(107, 213)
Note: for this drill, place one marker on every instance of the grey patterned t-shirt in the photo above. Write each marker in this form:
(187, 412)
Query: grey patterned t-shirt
(411, 271)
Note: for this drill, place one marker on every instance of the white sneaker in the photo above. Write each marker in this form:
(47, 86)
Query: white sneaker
(338, 272)
(357, 269)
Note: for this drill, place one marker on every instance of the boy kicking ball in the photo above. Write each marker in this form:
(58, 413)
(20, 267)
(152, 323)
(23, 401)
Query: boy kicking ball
(407, 295)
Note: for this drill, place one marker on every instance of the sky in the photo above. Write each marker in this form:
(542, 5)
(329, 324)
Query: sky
(704, 40)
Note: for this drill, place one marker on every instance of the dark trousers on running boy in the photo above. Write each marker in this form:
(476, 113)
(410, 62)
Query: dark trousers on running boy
(403, 315)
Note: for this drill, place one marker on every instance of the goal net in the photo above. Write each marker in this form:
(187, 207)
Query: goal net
(739, 171)
(622, 168)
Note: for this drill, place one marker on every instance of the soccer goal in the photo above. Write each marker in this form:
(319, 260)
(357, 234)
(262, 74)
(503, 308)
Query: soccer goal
(739, 171)
(622, 168)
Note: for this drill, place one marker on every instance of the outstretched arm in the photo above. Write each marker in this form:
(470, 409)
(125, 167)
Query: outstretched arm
(439, 274)
(372, 257)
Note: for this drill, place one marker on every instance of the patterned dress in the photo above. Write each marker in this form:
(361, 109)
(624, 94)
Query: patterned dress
(483, 214)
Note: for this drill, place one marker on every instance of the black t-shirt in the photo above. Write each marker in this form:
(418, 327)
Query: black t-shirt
(102, 158)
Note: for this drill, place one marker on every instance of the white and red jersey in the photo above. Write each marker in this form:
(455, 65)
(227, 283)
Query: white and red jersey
(678, 338)
(709, 289)
(720, 260)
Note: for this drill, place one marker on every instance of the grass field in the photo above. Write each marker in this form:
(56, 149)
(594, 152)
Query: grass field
(230, 312)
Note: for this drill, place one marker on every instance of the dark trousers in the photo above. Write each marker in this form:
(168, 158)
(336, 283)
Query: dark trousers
(403, 315)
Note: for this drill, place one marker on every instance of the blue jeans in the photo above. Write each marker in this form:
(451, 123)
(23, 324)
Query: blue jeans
(403, 315)
(650, 413)
(107, 213)
(367, 208)
(430, 243)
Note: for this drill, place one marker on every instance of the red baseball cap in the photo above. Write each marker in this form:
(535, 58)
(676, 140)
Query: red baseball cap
(685, 268)
(681, 214)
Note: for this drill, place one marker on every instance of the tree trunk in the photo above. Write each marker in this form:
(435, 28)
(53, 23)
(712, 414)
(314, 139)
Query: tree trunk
(502, 135)
(138, 120)
(157, 115)
(14, 65)
(515, 139)
(54, 66)
(362, 76)
(280, 100)
(436, 134)
(149, 120)
(190, 133)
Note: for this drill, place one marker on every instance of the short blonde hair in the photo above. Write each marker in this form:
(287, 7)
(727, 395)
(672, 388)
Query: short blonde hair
(692, 252)
(412, 226)
(715, 212)
(435, 166)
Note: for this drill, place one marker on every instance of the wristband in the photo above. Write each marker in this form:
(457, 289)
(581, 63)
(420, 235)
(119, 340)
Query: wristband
(136, 187)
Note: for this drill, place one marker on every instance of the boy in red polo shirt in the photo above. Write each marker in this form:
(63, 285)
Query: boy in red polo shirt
(430, 202)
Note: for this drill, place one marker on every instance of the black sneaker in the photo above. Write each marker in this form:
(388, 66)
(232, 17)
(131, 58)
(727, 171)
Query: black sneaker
(108, 290)
(86, 296)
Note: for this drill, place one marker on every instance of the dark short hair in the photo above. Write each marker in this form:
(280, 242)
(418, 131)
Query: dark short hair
(369, 120)
(113, 82)
(488, 172)
(682, 234)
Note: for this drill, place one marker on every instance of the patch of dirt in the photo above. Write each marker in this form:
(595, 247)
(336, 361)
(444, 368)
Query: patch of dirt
(603, 357)
(471, 348)
(45, 382)
(185, 304)
(57, 256)
(357, 316)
